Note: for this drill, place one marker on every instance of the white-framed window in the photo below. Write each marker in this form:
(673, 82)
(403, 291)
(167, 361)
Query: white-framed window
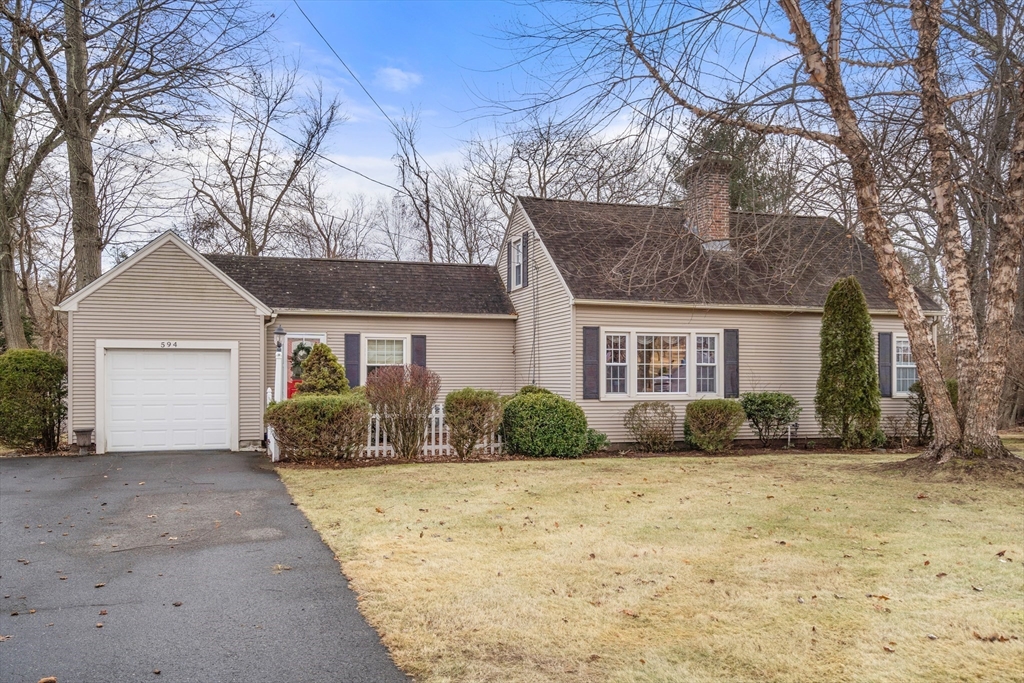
(517, 263)
(646, 364)
(616, 363)
(905, 368)
(661, 363)
(380, 351)
(706, 361)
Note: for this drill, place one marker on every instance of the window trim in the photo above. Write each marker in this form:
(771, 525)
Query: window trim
(896, 339)
(631, 393)
(364, 355)
(517, 258)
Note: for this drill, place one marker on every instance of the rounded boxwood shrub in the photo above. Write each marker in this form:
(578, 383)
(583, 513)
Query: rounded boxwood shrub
(595, 441)
(652, 424)
(712, 424)
(544, 424)
(319, 426)
(33, 386)
(770, 413)
(472, 415)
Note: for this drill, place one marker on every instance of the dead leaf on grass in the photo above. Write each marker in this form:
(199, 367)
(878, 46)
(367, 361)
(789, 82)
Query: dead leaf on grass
(940, 575)
(630, 613)
(379, 510)
(994, 638)
(977, 588)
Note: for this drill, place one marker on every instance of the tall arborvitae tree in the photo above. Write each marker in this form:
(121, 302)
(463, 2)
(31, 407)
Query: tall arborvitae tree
(847, 403)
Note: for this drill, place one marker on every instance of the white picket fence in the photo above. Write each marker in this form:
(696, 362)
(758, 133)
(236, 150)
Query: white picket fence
(436, 445)
(377, 446)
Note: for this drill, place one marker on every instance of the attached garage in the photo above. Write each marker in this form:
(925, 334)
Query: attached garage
(165, 352)
(168, 398)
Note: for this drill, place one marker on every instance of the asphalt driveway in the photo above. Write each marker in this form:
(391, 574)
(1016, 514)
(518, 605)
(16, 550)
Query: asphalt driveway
(196, 565)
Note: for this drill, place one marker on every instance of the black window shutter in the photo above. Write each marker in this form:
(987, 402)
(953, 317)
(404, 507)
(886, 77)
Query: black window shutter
(591, 362)
(352, 344)
(508, 267)
(732, 364)
(885, 364)
(526, 259)
(419, 350)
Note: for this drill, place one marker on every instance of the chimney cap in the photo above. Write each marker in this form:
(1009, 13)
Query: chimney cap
(703, 165)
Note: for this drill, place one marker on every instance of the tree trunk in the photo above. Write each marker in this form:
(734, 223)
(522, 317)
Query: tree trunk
(948, 434)
(981, 438)
(927, 15)
(10, 302)
(78, 134)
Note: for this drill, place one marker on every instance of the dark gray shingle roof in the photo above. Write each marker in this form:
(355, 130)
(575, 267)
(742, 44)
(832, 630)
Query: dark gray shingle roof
(625, 252)
(374, 286)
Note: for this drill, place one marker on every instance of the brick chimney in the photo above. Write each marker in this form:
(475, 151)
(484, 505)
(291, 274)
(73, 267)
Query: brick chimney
(706, 183)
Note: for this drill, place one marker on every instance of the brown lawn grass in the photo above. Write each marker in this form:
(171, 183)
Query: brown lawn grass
(680, 569)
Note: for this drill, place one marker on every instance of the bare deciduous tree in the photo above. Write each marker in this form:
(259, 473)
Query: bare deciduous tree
(244, 174)
(151, 61)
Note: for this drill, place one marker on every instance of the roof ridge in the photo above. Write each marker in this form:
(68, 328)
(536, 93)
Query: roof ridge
(584, 201)
(349, 260)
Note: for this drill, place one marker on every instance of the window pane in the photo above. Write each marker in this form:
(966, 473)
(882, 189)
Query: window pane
(615, 365)
(706, 350)
(903, 354)
(517, 263)
(384, 352)
(706, 379)
(905, 376)
(661, 363)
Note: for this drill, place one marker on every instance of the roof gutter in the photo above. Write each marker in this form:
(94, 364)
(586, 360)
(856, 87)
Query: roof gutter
(768, 308)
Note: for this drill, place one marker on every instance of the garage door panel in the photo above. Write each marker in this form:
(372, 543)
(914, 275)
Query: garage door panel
(167, 399)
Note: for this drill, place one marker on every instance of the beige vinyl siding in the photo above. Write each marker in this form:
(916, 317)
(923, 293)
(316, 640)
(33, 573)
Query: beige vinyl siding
(464, 351)
(543, 338)
(167, 296)
(777, 352)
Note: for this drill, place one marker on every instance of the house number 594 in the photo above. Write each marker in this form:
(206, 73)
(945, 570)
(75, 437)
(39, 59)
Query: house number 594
(168, 345)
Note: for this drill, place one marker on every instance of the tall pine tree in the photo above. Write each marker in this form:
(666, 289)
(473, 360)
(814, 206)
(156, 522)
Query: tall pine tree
(847, 403)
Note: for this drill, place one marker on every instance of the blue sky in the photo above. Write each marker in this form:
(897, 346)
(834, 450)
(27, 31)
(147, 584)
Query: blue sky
(444, 58)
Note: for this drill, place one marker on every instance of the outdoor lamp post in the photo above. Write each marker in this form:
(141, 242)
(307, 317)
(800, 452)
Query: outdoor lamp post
(279, 377)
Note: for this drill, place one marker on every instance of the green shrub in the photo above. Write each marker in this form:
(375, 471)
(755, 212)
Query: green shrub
(532, 389)
(33, 386)
(917, 409)
(319, 426)
(472, 415)
(770, 413)
(711, 424)
(847, 402)
(595, 441)
(403, 396)
(652, 424)
(544, 424)
(322, 373)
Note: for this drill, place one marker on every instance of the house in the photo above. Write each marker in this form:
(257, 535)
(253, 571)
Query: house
(604, 304)
(623, 303)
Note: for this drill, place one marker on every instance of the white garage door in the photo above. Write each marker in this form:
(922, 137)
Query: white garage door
(160, 399)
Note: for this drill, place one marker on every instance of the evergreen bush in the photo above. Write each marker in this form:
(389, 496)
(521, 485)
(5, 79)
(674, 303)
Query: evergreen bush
(847, 402)
(33, 386)
(652, 424)
(770, 413)
(322, 373)
(712, 424)
(472, 415)
(544, 424)
(320, 426)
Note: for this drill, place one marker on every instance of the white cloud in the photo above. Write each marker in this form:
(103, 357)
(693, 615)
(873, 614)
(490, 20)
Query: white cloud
(396, 79)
